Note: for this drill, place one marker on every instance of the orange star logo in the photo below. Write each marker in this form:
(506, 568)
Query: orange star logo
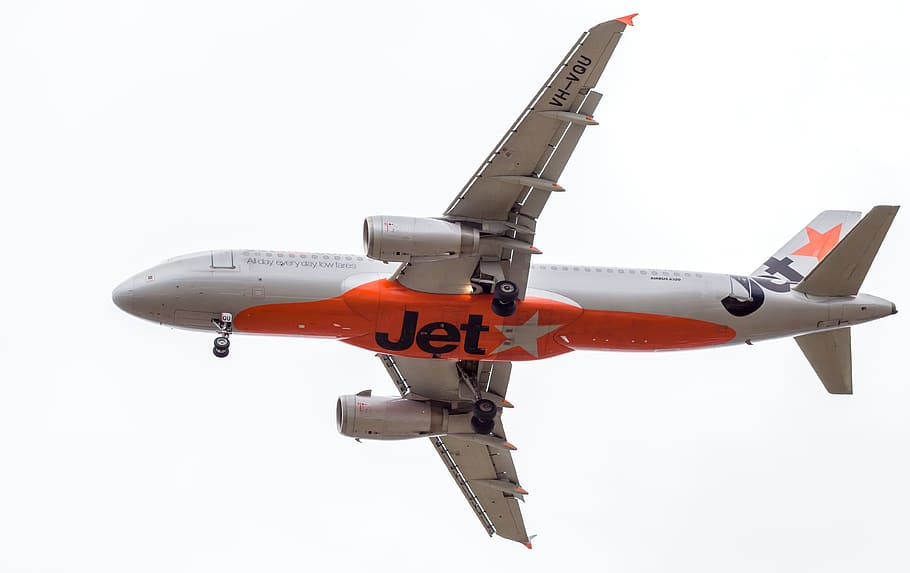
(820, 244)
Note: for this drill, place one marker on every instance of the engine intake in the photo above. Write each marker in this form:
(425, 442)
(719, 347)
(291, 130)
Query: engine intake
(403, 239)
(387, 418)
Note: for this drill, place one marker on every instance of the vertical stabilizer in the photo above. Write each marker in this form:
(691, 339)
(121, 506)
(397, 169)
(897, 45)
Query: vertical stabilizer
(809, 246)
(830, 355)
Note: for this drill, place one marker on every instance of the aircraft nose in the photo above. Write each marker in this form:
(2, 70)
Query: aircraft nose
(123, 295)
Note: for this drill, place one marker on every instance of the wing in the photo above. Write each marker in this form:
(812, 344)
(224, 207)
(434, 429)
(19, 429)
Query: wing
(511, 187)
(480, 464)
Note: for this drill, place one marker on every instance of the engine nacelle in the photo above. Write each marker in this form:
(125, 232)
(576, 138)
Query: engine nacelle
(403, 239)
(387, 418)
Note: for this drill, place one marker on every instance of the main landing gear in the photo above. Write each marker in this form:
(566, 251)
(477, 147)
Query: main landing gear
(223, 341)
(505, 295)
(484, 412)
(484, 419)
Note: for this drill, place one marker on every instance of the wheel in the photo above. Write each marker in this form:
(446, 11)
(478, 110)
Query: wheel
(503, 308)
(222, 342)
(482, 426)
(505, 291)
(220, 352)
(484, 409)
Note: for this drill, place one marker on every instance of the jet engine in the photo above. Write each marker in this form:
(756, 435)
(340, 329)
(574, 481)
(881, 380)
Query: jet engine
(387, 418)
(403, 239)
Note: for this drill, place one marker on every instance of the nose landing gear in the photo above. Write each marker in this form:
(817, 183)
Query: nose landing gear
(223, 341)
(505, 293)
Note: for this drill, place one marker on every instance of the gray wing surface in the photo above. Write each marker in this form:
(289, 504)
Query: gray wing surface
(481, 466)
(509, 190)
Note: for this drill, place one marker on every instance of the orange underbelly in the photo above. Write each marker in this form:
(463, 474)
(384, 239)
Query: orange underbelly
(383, 316)
(617, 330)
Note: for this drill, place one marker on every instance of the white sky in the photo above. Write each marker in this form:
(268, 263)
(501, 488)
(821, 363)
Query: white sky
(134, 131)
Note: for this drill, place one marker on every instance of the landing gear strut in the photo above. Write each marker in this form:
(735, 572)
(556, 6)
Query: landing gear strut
(505, 293)
(483, 415)
(223, 341)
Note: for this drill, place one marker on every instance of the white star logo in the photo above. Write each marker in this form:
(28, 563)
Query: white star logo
(526, 335)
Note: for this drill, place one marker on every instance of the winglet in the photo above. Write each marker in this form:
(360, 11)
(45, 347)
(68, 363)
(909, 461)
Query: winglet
(627, 20)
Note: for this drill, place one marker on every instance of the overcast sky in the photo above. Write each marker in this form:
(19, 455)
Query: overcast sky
(131, 132)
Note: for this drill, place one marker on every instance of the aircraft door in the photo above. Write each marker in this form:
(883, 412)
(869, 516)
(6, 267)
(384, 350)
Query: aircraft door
(223, 259)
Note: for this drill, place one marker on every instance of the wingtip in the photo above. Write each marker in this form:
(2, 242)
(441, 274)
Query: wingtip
(528, 545)
(627, 20)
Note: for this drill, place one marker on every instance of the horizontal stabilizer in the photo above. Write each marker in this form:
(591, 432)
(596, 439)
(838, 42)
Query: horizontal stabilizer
(830, 355)
(842, 272)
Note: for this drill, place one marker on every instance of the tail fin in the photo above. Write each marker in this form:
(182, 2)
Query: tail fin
(808, 247)
(830, 355)
(842, 272)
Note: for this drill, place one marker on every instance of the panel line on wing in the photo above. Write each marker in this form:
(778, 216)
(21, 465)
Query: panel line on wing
(514, 128)
(466, 489)
(397, 377)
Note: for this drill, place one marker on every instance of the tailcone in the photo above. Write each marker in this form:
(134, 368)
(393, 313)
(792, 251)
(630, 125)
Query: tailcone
(865, 307)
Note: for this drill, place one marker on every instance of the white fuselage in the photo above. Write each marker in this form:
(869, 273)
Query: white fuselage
(589, 307)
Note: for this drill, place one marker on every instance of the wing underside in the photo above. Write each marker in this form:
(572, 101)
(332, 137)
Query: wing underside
(481, 466)
(510, 189)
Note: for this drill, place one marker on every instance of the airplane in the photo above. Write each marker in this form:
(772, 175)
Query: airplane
(447, 303)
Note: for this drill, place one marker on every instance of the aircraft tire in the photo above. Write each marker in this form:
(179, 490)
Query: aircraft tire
(503, 308)
(222, 342)
(482, 426)
(220, 352)
(485, 410)
(505, 291)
